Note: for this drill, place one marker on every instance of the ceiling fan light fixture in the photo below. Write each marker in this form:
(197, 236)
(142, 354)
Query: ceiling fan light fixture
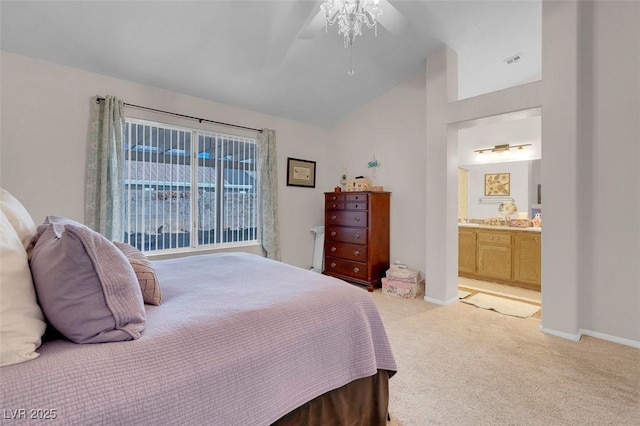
(351, 15)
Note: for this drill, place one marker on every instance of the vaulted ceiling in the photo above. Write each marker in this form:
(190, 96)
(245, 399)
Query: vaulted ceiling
(273, 56)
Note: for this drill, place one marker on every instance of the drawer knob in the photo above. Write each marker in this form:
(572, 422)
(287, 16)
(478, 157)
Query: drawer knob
(356, 206)
(356, 269)
(334, 198)
(356, 253)
(334, 217)
(333, 265)
(357, 236)
(333, 249)
(357, 218)
(334, 206)
(333, 233)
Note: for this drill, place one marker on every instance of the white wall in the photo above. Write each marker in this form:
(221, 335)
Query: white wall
(610, 302)
(392, 128)
(560, 238)
(519, 183)
(45, 122)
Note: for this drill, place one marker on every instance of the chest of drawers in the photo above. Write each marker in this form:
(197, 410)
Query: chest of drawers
(356, 246)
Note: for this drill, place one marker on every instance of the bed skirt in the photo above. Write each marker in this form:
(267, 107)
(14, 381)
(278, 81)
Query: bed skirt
(363, 402)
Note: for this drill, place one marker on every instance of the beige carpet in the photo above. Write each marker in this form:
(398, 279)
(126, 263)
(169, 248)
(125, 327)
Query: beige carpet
(502, 305)
(393, 421)
(460, 365)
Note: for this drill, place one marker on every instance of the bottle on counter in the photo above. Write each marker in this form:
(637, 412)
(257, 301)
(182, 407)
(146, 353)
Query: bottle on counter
(537, 220)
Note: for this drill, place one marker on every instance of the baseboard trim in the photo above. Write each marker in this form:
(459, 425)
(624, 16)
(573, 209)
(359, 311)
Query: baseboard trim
(591, 333)
(568, 336)
(610, 338)
(441, 302)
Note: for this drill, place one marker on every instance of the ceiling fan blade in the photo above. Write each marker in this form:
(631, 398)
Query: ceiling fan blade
(288, 20)
(391, 19)
(313, 28)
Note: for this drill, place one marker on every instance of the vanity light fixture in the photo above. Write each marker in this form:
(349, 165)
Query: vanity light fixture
(501, 148)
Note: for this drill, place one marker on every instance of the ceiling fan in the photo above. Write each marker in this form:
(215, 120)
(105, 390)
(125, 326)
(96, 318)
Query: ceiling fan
(389, 17)
(312, 19)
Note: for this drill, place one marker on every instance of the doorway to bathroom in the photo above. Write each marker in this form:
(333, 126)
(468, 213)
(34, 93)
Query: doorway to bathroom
(499, 248)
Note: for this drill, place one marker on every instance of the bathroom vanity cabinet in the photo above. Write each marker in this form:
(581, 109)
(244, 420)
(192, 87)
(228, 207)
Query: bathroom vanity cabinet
(527, 258)
(466, 250)
(494, 254)
(501, 254)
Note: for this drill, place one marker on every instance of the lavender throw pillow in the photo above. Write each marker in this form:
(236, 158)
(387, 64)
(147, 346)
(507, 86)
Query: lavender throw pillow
(86, 287)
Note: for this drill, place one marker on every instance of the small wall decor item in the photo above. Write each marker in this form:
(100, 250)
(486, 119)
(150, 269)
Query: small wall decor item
(497, 184)
(373, 165)
(301, 173)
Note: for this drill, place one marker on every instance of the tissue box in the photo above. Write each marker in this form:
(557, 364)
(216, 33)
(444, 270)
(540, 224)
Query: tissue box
(402, 289)
(357, 185)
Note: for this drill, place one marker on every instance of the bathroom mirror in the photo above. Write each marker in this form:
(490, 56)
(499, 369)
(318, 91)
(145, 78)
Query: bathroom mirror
(523, 188)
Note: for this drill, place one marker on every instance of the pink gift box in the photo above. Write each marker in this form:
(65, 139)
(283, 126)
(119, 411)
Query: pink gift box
(402, 289)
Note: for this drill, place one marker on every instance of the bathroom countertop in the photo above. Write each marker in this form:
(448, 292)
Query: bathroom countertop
(499, 227)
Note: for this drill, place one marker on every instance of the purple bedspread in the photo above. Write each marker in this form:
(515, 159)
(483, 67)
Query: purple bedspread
(238, 340)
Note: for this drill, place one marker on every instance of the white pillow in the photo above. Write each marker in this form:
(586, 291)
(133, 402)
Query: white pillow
(19, 217)
(21, 321)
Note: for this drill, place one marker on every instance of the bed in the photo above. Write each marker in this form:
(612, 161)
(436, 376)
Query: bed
(237, 340)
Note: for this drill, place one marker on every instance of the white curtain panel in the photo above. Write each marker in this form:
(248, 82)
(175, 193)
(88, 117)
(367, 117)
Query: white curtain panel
(104, 191)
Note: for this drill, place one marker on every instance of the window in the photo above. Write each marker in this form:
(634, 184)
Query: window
(188, 187)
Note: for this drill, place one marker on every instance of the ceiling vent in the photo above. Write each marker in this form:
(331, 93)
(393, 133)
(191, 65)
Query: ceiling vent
(513, 59)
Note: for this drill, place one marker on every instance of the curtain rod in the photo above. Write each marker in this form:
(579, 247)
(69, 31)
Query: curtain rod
(185, 116)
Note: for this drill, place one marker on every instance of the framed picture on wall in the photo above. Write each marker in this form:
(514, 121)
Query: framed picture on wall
(301, 173)
(497, 184)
